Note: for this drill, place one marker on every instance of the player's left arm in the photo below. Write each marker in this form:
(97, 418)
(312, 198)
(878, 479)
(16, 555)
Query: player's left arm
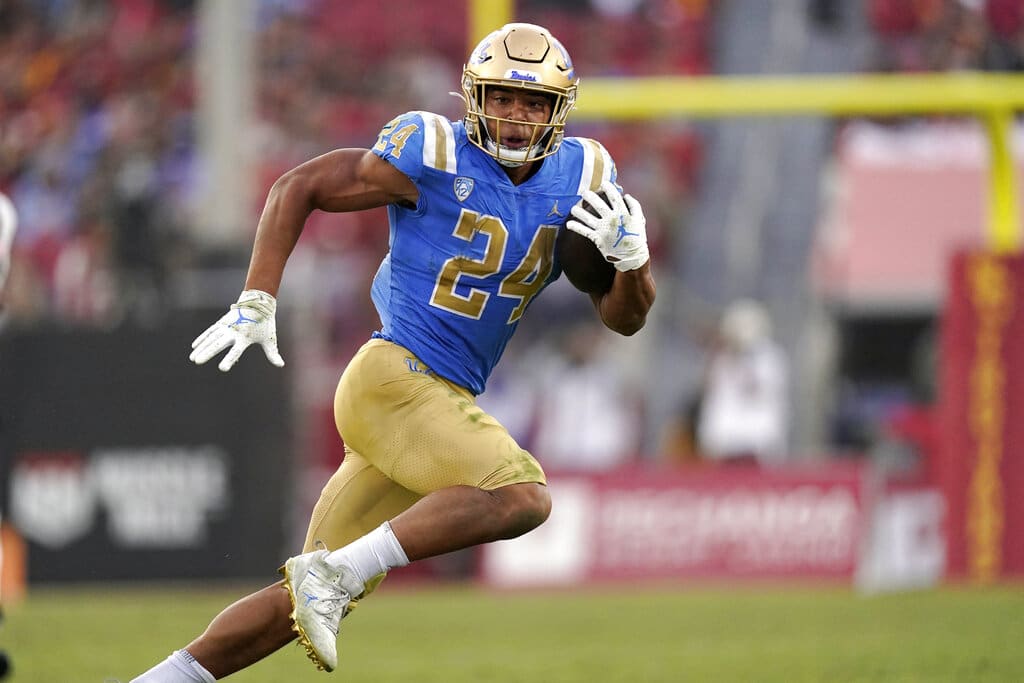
(624, 307)
(617, 227)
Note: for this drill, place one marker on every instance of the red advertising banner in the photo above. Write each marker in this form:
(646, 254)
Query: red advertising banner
(726, 523)
(981, 459)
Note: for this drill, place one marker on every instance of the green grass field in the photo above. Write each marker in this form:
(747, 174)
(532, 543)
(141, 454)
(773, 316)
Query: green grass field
(613, 633)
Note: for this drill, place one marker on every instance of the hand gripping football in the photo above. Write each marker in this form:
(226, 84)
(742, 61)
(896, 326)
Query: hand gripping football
(582, 262)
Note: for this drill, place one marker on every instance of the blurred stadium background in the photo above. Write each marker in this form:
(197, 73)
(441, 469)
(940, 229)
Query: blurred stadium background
(879, 231)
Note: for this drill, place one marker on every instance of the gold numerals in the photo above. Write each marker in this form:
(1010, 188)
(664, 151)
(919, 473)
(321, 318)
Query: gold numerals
(397, 139)
(523, 283)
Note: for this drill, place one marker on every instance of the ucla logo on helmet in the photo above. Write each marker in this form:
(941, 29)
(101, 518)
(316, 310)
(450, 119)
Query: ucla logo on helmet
(480, 55)
(463, 188)
(570, 70)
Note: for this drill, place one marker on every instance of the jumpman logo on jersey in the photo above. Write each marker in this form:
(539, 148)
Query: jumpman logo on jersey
(243, 319)
(554, 210)
(623, 233)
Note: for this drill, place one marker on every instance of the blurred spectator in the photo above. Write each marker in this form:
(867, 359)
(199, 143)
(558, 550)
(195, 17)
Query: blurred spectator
(589, 417)
(744, 412)
(97, 128)
(96, 151)
(678, 442)
(512, 392)
(1006, 49)
(908, 438)
(98, 148)
(947, 35)
(678, 439)
(8, 226)
(84, 289)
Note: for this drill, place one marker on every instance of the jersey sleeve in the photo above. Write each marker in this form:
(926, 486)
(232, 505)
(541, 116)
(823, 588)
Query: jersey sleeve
(416, 141)
(597, 167)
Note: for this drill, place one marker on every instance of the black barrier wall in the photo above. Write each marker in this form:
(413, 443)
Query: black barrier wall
(120, 459)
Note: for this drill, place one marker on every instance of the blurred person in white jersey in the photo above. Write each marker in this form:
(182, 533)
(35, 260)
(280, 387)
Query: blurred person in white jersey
(8, 226)
(475, 207)
(744, 414)
(589, 417)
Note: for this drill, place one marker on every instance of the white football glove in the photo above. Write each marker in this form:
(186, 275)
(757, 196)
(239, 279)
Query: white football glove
(619, 232)
(250, 321)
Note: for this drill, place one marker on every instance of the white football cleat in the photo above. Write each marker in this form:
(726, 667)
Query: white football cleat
(321, 596)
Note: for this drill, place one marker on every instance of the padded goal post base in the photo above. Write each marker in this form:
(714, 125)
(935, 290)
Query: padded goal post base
(981, 409)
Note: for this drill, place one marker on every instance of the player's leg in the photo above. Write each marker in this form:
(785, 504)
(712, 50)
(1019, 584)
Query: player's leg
(459, 517)
(243, 633)
(352, 512)
(430, 437)
(356, 499)
(324, 585)
(354, 502)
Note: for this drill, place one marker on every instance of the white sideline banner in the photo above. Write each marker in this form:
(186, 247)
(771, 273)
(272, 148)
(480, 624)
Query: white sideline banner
(716, 523)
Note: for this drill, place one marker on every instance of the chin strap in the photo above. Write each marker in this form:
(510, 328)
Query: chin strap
(506, 156)
(501, 154)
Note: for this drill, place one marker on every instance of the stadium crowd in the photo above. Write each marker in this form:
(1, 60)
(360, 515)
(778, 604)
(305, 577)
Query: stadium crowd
(96, 152)
(947, 35)
(98, 127)
(99, 141)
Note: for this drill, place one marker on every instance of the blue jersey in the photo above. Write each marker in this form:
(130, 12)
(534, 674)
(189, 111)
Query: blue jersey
(466, 262)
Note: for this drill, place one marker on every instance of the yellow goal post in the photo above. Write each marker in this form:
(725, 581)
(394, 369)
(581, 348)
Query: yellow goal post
(992, 98)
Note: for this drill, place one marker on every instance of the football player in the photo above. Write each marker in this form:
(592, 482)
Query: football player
(474, 207)
(8, 226)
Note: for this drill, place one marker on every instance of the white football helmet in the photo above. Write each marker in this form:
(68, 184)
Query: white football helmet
(523, 56)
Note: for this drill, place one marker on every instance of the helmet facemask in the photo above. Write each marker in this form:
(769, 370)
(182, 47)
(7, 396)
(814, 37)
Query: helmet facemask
(519, 57)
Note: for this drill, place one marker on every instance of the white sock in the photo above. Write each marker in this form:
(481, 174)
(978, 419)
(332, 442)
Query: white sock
(373, 554)
(179, 667)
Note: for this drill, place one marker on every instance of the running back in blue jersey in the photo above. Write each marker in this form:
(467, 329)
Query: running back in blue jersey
(466, 262)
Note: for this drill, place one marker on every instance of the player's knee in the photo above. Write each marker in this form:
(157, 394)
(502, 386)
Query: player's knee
(527, 506)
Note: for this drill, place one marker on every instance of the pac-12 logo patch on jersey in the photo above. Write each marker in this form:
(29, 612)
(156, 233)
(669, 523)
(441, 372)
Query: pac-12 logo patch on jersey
(463, 188)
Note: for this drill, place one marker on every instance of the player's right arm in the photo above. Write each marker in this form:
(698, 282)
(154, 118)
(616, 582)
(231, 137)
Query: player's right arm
(342, 180)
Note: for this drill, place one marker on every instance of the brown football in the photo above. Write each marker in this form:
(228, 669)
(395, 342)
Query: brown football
(583, 263)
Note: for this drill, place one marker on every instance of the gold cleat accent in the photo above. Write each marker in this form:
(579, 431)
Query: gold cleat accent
(320, 595)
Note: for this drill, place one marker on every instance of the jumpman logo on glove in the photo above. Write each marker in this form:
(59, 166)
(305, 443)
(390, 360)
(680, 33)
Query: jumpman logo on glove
(623, 233)
(242, 318)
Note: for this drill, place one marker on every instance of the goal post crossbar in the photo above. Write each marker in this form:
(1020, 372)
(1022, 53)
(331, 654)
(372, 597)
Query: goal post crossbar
(992, 98)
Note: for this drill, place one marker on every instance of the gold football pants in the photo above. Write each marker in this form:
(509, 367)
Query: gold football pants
(407, 432)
